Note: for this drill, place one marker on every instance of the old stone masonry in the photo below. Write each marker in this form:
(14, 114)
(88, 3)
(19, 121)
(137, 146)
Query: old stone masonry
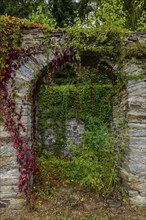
(131, 103)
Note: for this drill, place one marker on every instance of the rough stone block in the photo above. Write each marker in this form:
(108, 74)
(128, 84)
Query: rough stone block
(127, 176)
(6, 149)
(137, 166)
(133, 69)
(133, 193)
(7, 161)
(41, 59)
(4, 203)
(9, 177)
(137, 143)
(138, 200)
(22, 76)
(140, 187)
(10, 191)
(137, 132)
(3, 132)
(143, 193)
(31, 64)
(17, 203)
(136, 82)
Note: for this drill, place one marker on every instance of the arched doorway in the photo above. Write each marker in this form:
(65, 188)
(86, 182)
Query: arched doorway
(129, 103)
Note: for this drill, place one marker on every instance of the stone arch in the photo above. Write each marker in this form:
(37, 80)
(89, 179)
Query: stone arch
(131, 103)
(24, 80)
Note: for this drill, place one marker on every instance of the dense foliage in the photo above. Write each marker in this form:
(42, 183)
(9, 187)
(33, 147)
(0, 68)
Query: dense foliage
(93, 164)
(65, 12)
(85, 103)
(19, 8)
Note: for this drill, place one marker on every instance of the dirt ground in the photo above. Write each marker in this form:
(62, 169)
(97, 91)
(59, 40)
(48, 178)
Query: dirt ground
(73, 204)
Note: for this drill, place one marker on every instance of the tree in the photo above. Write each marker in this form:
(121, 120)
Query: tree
(19, 8)
(63, 11)
(102, 12)
(134, 10)
(42, 16)
(85, 7)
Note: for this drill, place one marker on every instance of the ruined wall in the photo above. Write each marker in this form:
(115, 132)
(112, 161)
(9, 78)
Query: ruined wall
(133, 103)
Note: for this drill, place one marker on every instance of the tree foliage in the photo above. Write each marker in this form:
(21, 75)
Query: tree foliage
(64, 11)
(42, 17)
(130, 12)
(135, 10)
(19, 8)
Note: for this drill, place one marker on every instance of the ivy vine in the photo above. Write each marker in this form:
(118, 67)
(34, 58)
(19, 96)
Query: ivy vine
(106, 42)
(12, 57)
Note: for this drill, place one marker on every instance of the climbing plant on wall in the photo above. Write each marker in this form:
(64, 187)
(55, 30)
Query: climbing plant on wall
(70, 101)
(91, 164)
(104, 41)
(12, 56)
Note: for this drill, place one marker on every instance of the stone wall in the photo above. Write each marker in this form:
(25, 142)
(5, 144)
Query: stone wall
(24, 76)
(133, 104)
(136, 161)
(74, 132)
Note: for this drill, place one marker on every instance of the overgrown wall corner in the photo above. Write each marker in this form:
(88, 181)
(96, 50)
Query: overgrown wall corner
(134, 166)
